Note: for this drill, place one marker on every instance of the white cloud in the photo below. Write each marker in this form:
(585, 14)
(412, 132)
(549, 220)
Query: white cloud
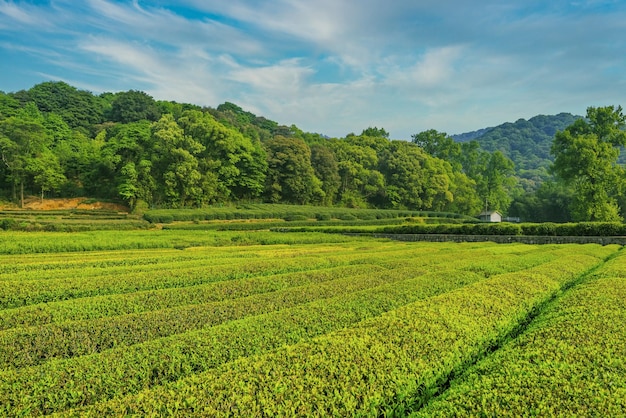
(434, 69)
(11, 12)
(334, 66)
(284, 78)
(181, 75)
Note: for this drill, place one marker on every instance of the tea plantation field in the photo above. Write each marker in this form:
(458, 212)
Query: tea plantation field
(226, 323)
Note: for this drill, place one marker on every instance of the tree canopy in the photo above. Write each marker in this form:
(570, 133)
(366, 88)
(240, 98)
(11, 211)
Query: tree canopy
(56, 140)
(586, 155)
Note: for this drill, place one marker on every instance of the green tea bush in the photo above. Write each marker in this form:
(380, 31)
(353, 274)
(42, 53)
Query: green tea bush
(383, 366)
(295, 217)
(322, 216)
(505, 228)
(8, 224)
(569, 362)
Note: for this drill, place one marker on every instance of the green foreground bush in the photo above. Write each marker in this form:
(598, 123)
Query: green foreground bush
(570, 361)
(383, 366)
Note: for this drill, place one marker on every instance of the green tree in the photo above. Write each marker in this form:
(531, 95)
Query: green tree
(495, 185)
(290, 177)
(78, 108)
(136, 183)
(23, 139)
(46, 171)
(491, 173)
(361, 184)
(174, 108)
(440, 145)
(80, 158)
(8, 106)
(132, 106)
(375, 132)
(326, 169)
(473, 160)
(238, 163)
(465, 198)
(551, 202)
(586, 156)
(176, 154)
(415, 180)
(128, 153)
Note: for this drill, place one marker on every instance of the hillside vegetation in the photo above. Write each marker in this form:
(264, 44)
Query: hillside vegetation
(58, 141)
(526, 142)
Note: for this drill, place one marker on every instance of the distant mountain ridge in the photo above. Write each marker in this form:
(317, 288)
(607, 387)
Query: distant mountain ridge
(526, 142)
(468, 136)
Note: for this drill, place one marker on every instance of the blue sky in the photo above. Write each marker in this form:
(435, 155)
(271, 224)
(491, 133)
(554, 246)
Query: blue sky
(331, 66)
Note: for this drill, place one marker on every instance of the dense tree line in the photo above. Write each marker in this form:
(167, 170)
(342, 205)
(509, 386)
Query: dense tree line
(58, 141)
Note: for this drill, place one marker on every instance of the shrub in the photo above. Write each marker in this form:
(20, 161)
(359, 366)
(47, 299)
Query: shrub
(322, 216)
(295, 217)
(8, 223)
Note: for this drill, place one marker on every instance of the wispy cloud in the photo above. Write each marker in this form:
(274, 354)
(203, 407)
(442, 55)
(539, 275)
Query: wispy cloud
(332, 66)
(18, 14)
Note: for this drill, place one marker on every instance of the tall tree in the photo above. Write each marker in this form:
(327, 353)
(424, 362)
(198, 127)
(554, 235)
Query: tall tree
(129, 149)
(465, 198)
(23, 139)
(132, 106)
(440, 145)
(362, 184)
(326, 169)
(78, 108)
(586, 156)
(375, 132)
(80, 158)
(551, 202)
(47, 172)
(176, 154)
(495, 185)
(238, 162)
(290, 176)
(8, 106)
(414, 179)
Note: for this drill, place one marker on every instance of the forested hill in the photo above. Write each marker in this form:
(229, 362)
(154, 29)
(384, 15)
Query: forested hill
(58, 141)
(526, 142)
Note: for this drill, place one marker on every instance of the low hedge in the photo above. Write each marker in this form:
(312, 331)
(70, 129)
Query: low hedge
(283, 211)
(505, 228)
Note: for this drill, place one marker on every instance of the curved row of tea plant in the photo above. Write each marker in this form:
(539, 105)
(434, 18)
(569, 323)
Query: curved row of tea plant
(263, 224)
(99, 263)
(17, 292)
(65, 383)
(601, 229)
(484, 259)
(53, 242)
(31, 345)
(21, 347)
(290, 325)
(382, 366)
(133, 303)
(570, 362)
(72, 220)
